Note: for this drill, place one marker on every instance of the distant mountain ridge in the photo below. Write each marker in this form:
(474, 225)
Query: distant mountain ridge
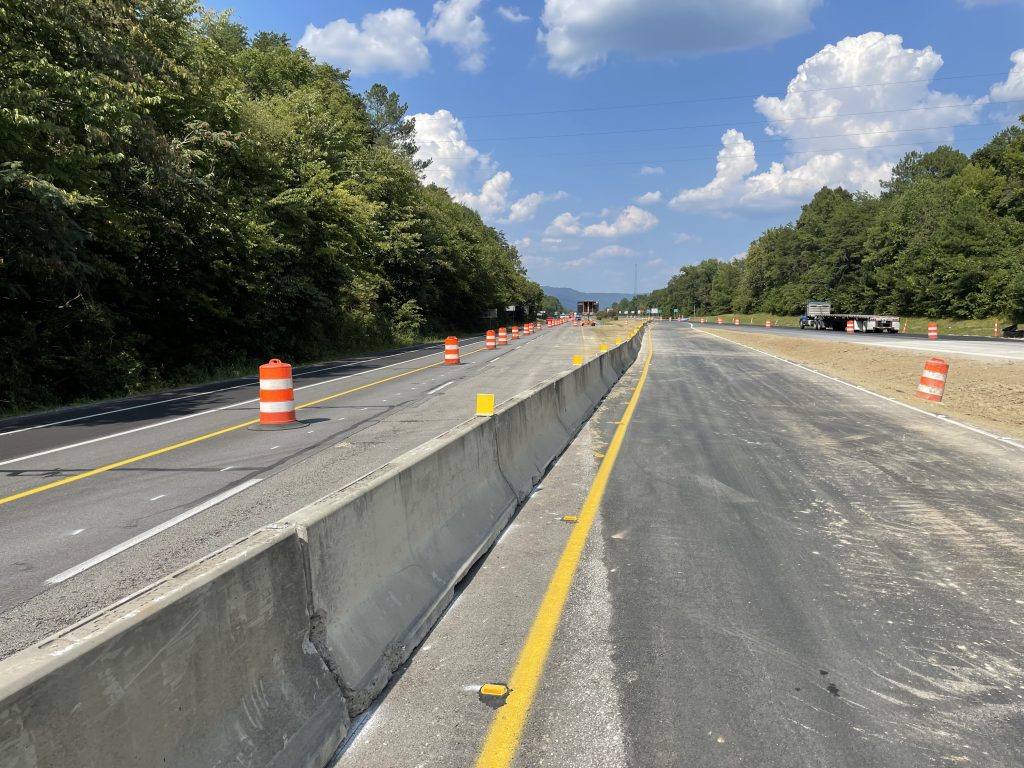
(569, 297)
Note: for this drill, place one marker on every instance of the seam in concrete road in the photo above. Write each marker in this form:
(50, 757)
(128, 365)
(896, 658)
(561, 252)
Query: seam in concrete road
(1002, 439)
(506, 729)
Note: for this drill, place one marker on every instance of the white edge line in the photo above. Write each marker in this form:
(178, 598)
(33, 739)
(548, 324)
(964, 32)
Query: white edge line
(92, 561)
(941, 417)
(358, 361)
(200, 413)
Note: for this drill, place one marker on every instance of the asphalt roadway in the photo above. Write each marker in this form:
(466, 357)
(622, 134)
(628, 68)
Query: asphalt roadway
(98, 501)
(974, 346)
(782, 572)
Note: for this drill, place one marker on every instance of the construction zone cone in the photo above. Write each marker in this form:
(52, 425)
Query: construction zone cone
(932, 384)
(850, 327)
(933, 330)
(502, 337)
(277, 395)
(451, 351)
(490, 341)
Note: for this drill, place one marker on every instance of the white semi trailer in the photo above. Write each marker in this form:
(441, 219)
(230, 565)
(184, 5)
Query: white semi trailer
(819, 316)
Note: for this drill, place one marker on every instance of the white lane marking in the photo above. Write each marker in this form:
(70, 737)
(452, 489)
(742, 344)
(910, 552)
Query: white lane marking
(226, 469)
(92, 561)
(939, 416)
(77, 531)
(155, 498)
(496, 359)
(194, 415)
(435, 390)
(945, 348)
(251, 379)
(274, 447)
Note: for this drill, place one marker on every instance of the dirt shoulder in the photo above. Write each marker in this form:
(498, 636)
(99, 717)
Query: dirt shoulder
(986, 393)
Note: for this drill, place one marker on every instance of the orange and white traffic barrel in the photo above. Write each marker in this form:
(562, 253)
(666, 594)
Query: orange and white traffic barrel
(502, 337)
(719, 321)
(490, 341)
(735, 321)
(768, 323)
(995, 328)
(277, 395)
(850, 327)
(515, 331)
(702, 321)
(932, 383)
(933, 330)
(451, 351)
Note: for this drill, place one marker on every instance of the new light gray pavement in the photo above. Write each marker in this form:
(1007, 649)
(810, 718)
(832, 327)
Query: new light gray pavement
(231, 483)
(973, 346)
(782, 573)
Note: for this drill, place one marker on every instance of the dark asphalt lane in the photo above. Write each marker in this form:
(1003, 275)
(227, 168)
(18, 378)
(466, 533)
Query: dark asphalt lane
(24, 435)
(783, 573)
(68, 550)
(809, 579)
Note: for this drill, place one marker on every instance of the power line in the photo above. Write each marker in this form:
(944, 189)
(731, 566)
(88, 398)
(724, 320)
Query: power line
(730, 124)
(712, 99)
(761, 141)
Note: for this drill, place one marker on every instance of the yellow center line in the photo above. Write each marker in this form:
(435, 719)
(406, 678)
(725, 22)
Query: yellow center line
(201, 438)
(506, 729)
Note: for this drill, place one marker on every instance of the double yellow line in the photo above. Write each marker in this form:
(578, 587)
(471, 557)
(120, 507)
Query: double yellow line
(506, 729)
(201, 438)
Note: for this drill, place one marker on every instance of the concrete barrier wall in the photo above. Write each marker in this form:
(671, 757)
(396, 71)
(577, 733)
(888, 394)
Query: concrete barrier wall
(211, 666)
(385, 553)
(258, 654)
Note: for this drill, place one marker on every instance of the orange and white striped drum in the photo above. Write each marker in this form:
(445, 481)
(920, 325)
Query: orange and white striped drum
(850, 327)
(277, 394)
(515, 331)
(451, 351)
(502, 337)
(719, 321)
(768, 323)
(490, 341)
(735, 321)
(933, 330)
(932, 384)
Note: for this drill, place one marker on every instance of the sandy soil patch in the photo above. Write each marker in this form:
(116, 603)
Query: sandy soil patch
(986, 393)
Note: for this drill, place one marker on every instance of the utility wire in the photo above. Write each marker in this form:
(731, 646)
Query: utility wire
(712, 99)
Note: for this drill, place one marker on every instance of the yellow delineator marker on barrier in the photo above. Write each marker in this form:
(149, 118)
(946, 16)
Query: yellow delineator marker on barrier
(604, 347)
(618, 341)
(577, 359)
(485, 405)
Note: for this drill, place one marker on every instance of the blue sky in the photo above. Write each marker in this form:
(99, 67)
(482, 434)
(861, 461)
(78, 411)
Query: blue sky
(608, 133)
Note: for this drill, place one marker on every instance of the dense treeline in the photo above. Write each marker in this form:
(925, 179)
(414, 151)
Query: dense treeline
(944, 239)
(176, 197)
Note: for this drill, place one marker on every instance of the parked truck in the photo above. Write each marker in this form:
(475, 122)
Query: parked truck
(819, 316)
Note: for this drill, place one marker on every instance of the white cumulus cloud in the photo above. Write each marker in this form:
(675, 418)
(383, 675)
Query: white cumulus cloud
(525, 208)
(611, 251)
(631, 221)
(1013, 87)
(651, 170)
(649, 198)
(462, 169)
(388, 41)
(457, 23)
(839, 125)
(579, 35)
(563, 224)
(512, 14)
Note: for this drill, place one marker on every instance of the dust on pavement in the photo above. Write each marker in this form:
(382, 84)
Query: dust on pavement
(986, 393)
